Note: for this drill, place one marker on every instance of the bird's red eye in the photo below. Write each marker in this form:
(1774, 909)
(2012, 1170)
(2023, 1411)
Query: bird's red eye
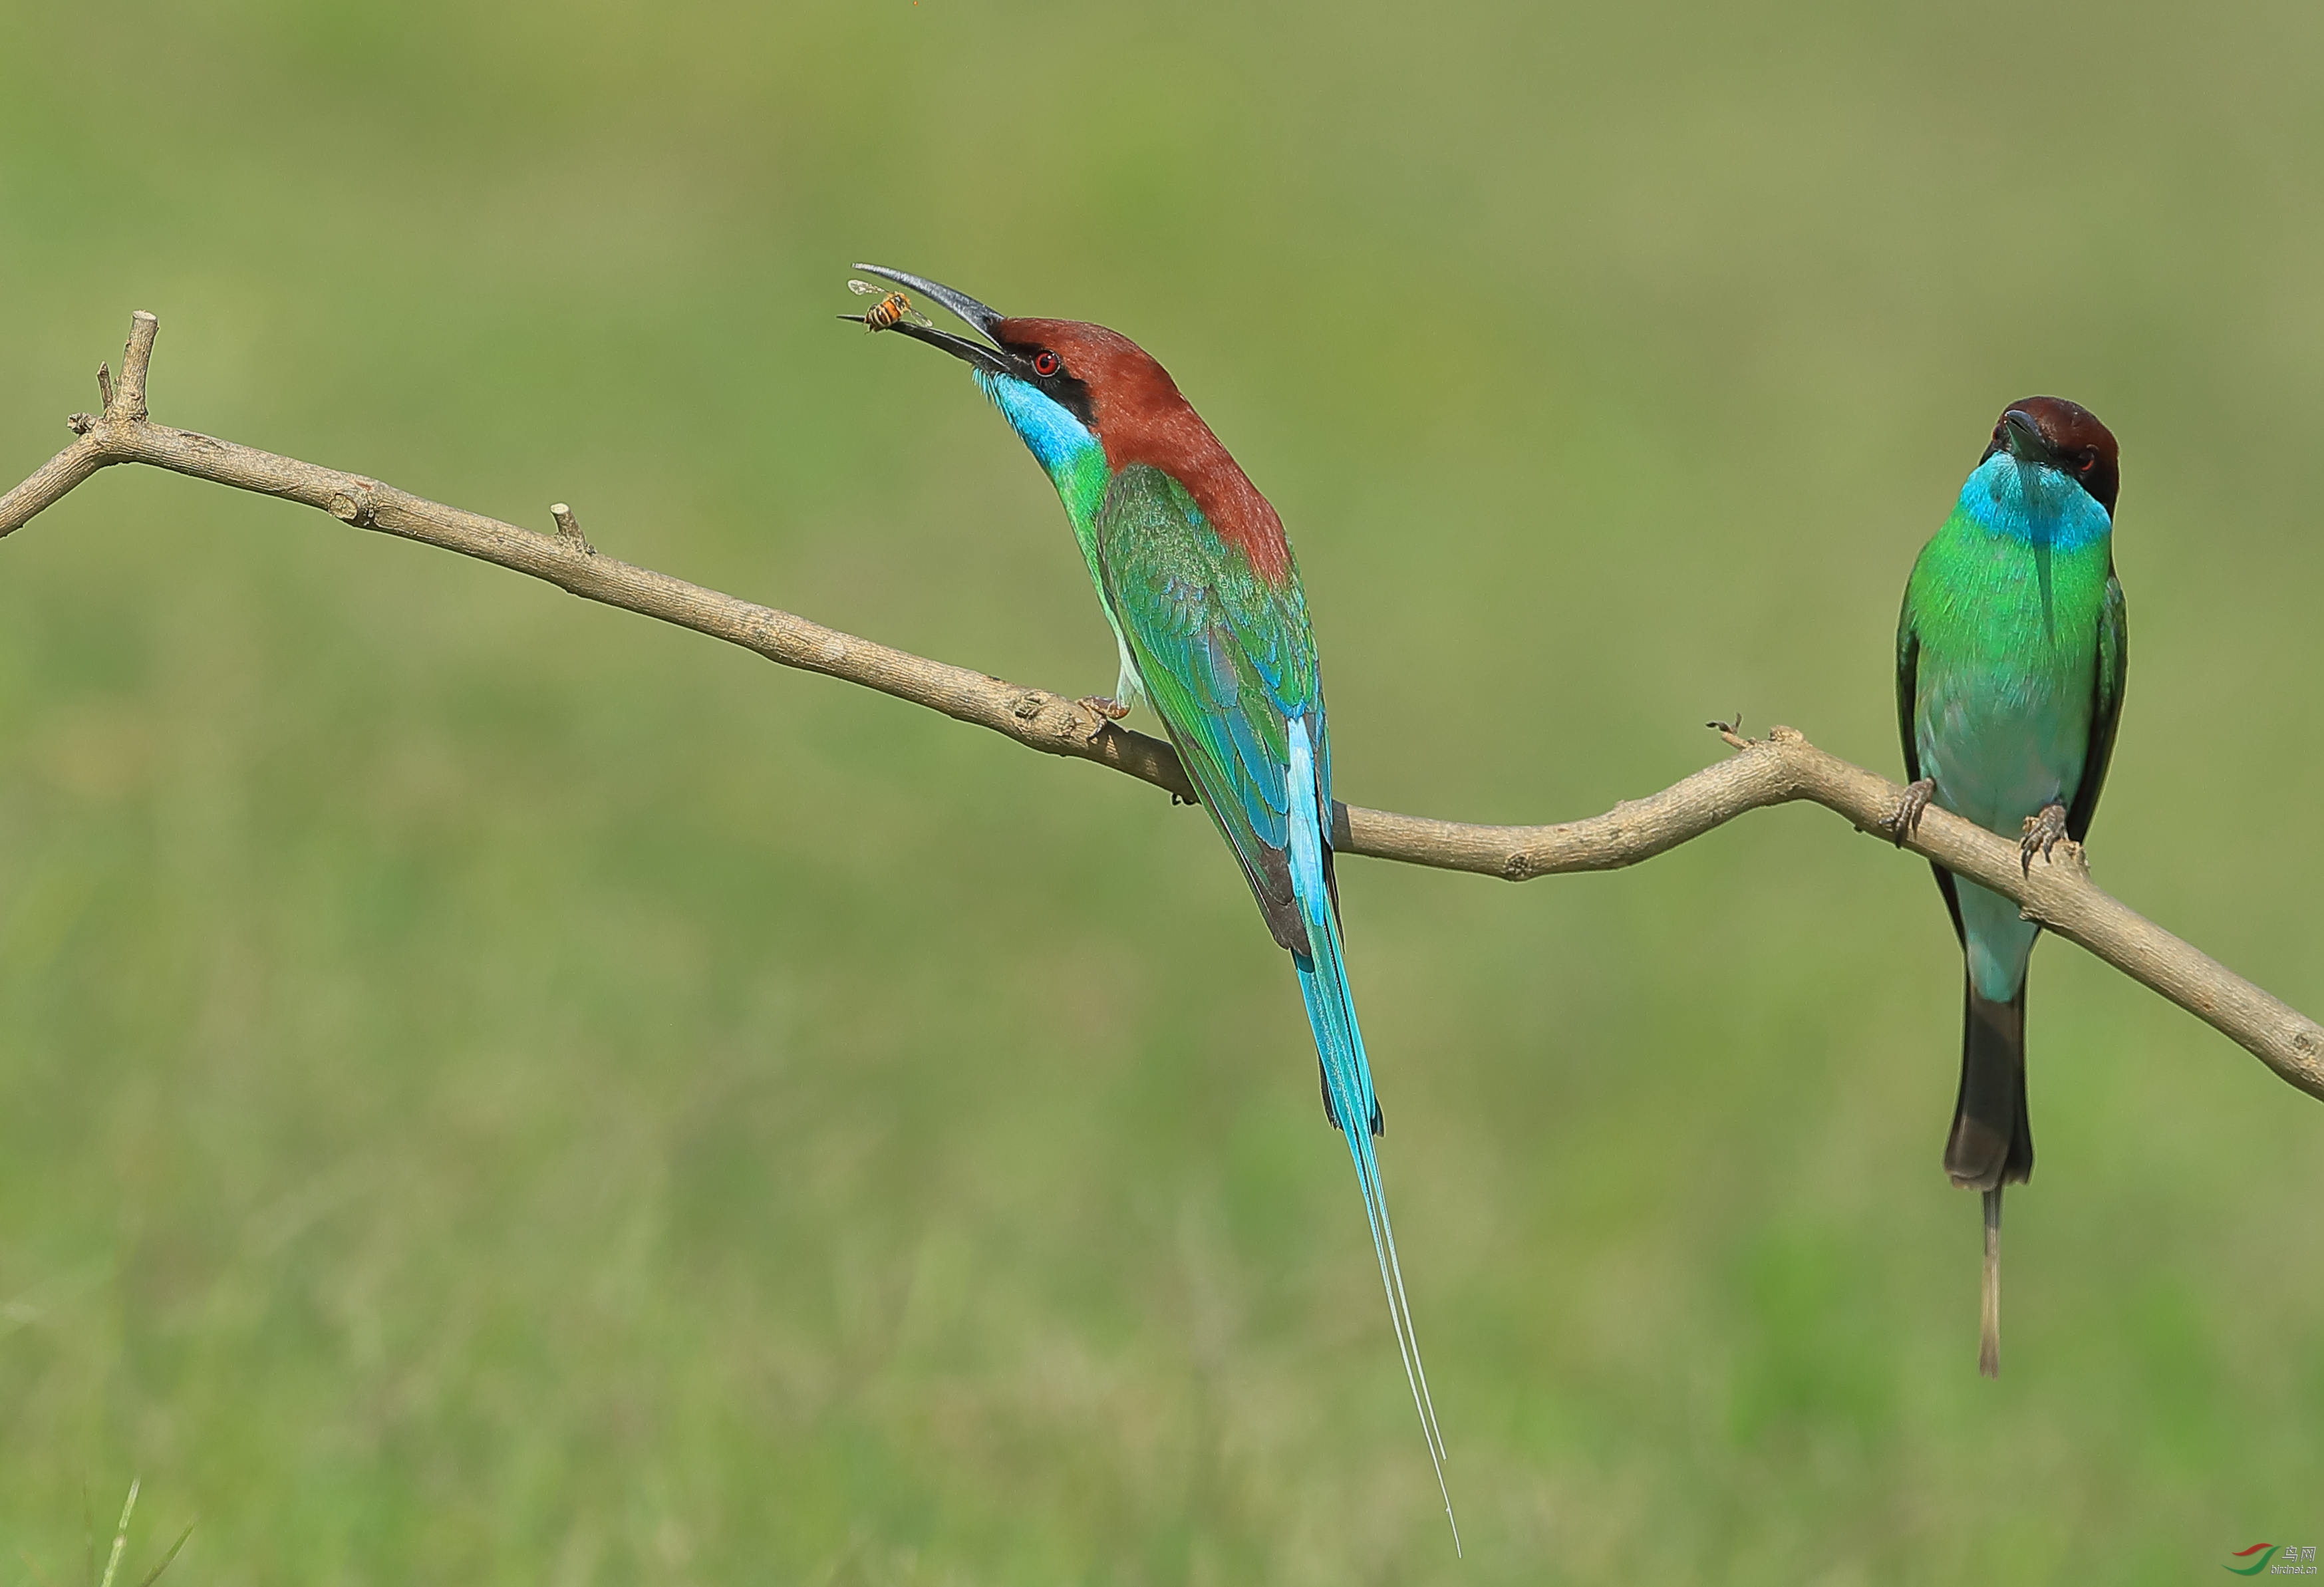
(2090, 461)
(1045, 364)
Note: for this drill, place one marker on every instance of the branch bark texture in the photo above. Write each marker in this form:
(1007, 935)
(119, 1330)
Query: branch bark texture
(1777, 770)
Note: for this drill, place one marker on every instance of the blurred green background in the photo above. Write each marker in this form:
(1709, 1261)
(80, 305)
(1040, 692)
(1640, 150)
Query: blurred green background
(494, 1090)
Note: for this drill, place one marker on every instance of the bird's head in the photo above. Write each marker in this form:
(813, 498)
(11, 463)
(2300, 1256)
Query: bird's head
(2061, 440)
(1088, 401)
(1064, 386)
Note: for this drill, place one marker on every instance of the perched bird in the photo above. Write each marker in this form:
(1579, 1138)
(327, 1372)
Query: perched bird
(2010, 658)
(1200, 588)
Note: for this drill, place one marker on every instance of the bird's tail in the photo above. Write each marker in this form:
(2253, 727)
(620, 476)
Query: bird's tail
(1348, 1080)
(1992, 1144)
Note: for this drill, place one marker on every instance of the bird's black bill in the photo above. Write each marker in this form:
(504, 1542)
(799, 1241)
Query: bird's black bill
(2025, 442)
(977, 353)
(970, 311)
(974, 314)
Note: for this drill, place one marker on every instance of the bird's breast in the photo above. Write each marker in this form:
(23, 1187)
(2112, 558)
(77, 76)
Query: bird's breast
(2007, 670)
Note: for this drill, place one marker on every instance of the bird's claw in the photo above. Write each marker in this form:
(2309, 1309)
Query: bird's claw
(1106, 708)
(1906, 819)
(2043, 831)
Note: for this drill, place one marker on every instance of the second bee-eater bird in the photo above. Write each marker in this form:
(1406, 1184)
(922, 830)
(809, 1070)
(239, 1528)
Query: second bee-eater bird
(1200, 588)
(2010, 658)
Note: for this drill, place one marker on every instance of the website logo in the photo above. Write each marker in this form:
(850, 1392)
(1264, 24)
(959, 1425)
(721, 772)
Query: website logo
(2277, 1559)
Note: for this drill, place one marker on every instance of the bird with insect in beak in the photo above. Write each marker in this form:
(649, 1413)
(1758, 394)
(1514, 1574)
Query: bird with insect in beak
(1199, 587)
(2010, 659)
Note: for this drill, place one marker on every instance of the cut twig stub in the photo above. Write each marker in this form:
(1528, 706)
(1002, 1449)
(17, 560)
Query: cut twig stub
(568, 528)
(128, 399)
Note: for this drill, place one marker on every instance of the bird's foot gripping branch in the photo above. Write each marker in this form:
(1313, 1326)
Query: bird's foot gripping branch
(1779, 768)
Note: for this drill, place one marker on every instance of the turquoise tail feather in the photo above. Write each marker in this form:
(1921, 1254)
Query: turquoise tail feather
(1348, 1077)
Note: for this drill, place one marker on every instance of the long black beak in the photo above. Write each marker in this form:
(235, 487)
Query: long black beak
(983, 319)
(2024, 437)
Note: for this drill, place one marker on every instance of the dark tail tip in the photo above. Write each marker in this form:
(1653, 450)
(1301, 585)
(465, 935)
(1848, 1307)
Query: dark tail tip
(1992, 1142)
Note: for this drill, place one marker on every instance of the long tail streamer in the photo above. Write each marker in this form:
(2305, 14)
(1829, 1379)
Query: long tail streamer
(1331, 1012)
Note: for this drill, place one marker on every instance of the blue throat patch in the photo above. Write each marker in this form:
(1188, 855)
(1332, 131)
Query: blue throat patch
(2033, 503)
(1057, 439)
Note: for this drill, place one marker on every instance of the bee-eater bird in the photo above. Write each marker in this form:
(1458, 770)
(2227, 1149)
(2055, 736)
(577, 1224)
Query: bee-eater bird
(1202, 594)
(2010, 658)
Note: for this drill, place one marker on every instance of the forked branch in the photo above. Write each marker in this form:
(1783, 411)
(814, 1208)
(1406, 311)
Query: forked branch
(1776, 769)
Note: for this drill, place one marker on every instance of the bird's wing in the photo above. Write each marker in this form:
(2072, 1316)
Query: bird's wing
(1908, 686)
(2106, 708)
(1908, 683)
(1227, 659)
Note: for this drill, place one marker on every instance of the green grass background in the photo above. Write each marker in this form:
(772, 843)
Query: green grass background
(493, 1090)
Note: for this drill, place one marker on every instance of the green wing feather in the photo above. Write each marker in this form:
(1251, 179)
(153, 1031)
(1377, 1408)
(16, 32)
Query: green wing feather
(1908, 682)
(2106, 708)
(1227, 659)
(1908, 686)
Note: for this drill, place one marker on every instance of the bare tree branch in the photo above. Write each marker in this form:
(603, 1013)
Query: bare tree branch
(1777, 770)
